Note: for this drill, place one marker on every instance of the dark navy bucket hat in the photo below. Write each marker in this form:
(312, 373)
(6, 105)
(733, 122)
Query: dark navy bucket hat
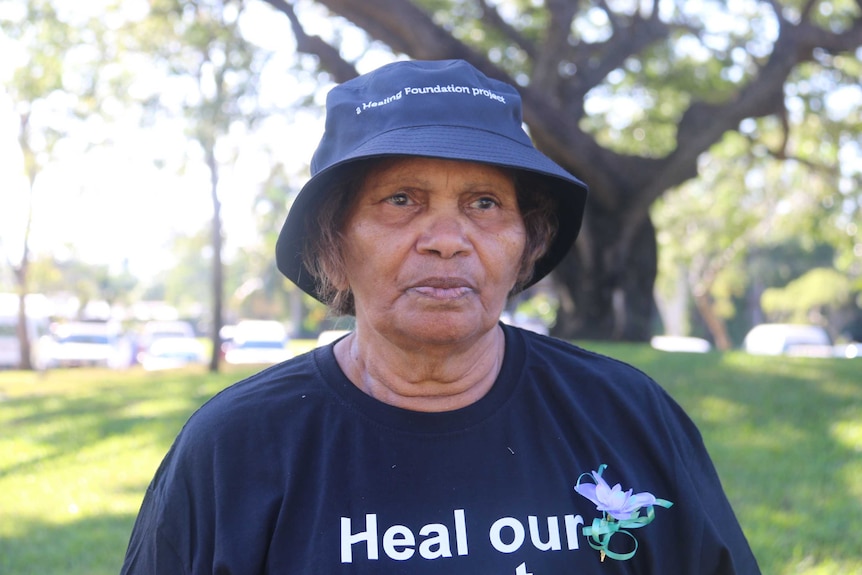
(439, 109)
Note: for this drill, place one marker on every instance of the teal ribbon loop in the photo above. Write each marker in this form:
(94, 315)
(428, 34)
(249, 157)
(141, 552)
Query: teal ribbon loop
(599, 537)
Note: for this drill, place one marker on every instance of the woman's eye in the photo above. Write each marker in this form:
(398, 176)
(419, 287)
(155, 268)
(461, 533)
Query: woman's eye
(399, 199)
(485, 203)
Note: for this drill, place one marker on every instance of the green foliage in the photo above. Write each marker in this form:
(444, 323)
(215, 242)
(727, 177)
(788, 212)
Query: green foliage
(721, 230)
(707, 226)
(187, 279)
(202, 47)
(75, 54)
(80, 446)
(542, 306)
(810, 296)
(776, 265)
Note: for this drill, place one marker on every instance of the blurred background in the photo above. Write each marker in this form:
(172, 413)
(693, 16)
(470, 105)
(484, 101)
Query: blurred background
(150, 150)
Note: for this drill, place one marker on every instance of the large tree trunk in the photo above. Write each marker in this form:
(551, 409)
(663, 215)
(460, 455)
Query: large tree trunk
(605, 283)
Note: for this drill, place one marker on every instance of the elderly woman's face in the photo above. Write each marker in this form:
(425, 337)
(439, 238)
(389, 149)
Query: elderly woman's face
(432, 249)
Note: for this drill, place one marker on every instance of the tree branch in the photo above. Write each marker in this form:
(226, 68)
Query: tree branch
(491, 17)
(329, 57)
(546, 63)
(812, 36)
(405, 28)
(613, 18)
(703, 124)
(806, 9)
(595, 61)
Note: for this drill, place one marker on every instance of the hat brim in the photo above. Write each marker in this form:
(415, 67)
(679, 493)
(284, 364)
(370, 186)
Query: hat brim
(445, 142)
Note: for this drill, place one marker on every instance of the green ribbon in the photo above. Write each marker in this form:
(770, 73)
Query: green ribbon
(599, 534)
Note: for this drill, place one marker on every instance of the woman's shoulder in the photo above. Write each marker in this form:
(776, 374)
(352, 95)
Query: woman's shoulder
(580, 376)
(279, 393)
(255, 419)
(590, 386)
(549, 353)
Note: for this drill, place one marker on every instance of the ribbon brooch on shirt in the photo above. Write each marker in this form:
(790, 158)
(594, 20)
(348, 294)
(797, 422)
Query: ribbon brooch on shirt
(621, 512)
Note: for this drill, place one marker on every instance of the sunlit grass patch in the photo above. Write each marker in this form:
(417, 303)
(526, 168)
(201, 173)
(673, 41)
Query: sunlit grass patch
(78, 448)
(849, 433)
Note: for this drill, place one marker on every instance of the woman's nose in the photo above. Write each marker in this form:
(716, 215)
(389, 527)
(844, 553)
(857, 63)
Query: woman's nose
(443, 234)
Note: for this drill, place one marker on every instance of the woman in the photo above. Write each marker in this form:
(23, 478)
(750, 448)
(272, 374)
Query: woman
(432, 438)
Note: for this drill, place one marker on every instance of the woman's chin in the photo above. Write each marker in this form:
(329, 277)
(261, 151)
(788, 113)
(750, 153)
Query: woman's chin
(445, 327)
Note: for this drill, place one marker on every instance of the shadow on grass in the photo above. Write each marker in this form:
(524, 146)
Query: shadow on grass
(89, 546)
(78, 428)
(773, 428)
(55, 425)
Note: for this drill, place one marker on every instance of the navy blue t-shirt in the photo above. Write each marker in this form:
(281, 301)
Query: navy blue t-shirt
(296, 471)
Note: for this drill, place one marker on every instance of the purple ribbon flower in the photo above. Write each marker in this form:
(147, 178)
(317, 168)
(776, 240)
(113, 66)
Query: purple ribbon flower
(614, 501)
(621, 510)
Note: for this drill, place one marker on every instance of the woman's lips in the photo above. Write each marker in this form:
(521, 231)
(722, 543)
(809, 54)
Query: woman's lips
(442, 288)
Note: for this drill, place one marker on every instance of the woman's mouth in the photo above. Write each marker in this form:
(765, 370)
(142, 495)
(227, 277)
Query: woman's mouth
(442, 288)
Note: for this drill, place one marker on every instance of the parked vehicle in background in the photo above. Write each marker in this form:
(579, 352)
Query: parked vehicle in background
(852, 350)
(156, 330)
(788, 339)
(258, 342)
(678, 343)
(78, 344)
(172, 352)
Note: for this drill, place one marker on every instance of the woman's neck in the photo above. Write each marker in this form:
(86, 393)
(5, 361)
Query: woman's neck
(440, 379)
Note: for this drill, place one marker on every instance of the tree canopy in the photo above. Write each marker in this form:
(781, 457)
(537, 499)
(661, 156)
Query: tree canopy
(730, 127)
(630, 96)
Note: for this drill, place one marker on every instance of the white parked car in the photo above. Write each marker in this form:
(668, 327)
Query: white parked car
(172, 352)
(788, 339)
(157, 329)
(258, 342)
(678, 343)
(851, 350)
(77, 344)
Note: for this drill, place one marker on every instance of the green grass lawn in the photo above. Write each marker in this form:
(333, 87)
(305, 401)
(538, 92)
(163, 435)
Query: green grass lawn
(78, 447)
